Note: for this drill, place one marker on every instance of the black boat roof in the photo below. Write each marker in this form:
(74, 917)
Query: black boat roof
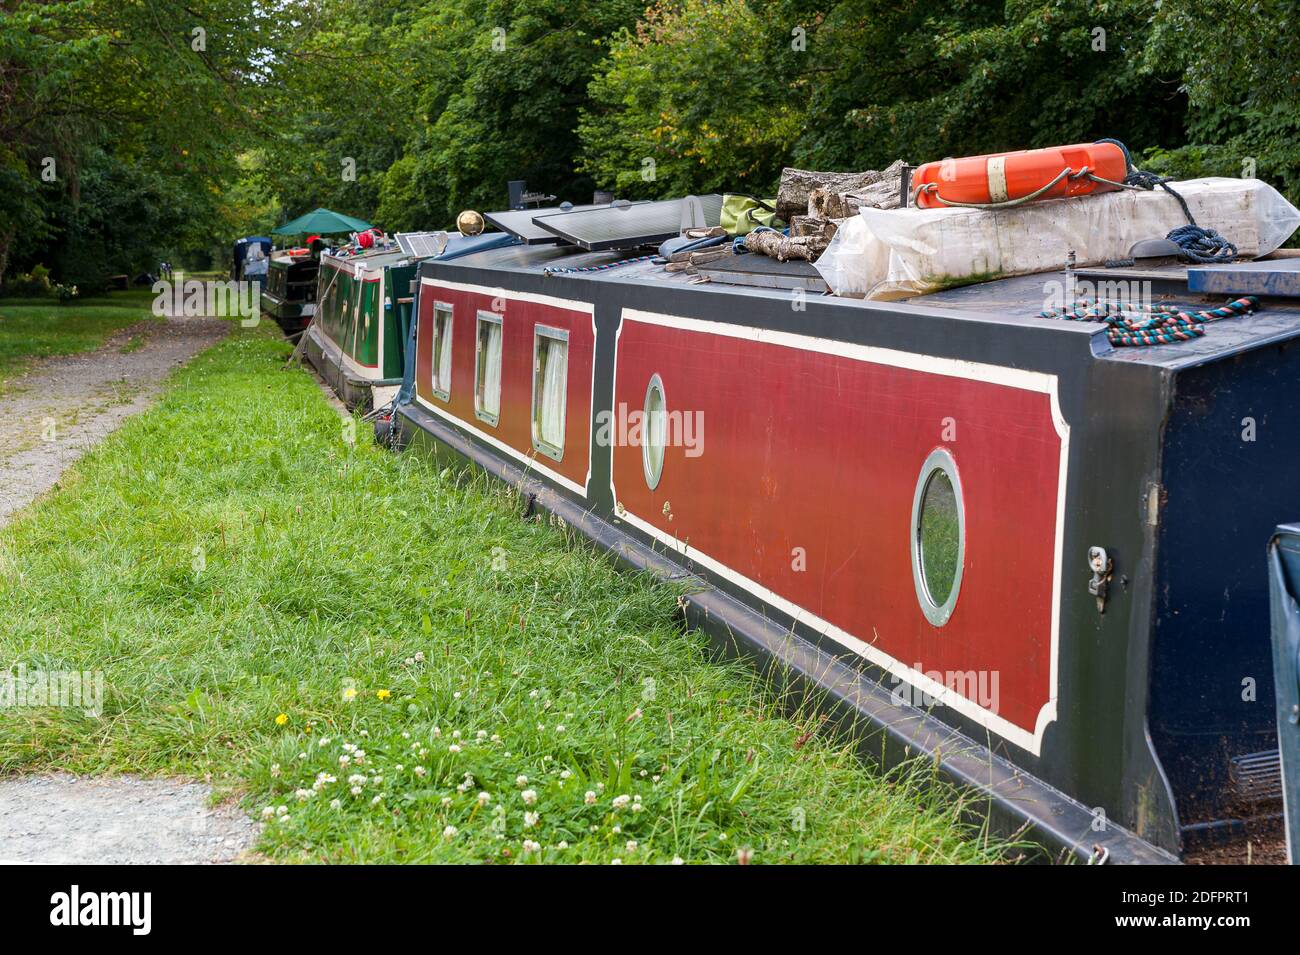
(1016, 300)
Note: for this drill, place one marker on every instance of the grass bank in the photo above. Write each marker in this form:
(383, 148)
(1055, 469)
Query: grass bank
(41, 328)
(390, 665)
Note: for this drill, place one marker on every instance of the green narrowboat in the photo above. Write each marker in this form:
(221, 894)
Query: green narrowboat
(363, 316)
(289, 296)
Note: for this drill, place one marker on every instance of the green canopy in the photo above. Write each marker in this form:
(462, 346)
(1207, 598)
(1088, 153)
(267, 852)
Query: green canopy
(322, 222)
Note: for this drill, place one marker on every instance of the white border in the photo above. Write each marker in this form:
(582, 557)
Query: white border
(951, 367)
(530, 461)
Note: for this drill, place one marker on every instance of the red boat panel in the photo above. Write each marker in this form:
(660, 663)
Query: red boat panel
(520, 316)
(808, 449)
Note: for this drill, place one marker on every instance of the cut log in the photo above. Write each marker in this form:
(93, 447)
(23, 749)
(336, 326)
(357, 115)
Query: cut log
(797, 186)
(783, 247)
(801, 226)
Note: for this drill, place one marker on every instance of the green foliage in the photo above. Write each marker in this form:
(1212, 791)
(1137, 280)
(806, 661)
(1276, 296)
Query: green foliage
(690, 102)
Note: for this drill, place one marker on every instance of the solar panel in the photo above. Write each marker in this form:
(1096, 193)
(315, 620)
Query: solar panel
(519, 223)
(628, 226)
(422, 245)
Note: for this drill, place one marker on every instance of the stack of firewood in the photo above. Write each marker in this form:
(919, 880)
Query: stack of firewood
(815, 203)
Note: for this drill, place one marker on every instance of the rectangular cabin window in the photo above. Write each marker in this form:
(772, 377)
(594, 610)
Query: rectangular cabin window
(550, 389)
(487, 375)
(442, 350)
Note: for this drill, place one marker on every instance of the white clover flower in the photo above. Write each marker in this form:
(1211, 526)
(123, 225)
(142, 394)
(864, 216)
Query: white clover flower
(377, 800)
(529, 796)
(302, 795)
(449, 833)
(563, 845)
(365, 733)
(560, 728)
(281, 810)
(530, 846)
(419, 656)
(344, 759)
(621, 801)
(631, 845)
(531, 819)
(453, 749)
(455, 734)
(484, 799)
(275, 769)
(356, 790)
(541, 727)
(405, 734)
(422, 753)
(349, 747)
(617, 830)
(589, 798)
(496, 738)
(335, 803)
(446, 801)
(481, 735)
(399, 767)
(420, 771)
(436, 732)
(456, 695)
(533, 695)
(678, 860)
(565, 774)
(268, 812)
(521, 781)
(323, 741)
(615, 861)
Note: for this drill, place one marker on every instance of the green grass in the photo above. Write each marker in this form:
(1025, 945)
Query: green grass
(265, 598)
(39, 328)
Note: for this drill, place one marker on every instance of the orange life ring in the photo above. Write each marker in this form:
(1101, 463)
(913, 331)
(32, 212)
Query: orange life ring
(1024, 176)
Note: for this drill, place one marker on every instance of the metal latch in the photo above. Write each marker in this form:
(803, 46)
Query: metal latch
(1102, 570)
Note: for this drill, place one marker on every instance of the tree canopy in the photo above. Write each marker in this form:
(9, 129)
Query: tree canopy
(137, 129)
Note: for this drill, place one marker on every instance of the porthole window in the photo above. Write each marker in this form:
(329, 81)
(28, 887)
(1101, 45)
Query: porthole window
(938, 536)
(654, 428)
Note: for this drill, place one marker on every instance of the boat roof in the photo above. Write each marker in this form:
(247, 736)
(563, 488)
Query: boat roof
(372, 258)
(1014, 300)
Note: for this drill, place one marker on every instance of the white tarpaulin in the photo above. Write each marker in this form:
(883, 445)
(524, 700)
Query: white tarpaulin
(894, 253)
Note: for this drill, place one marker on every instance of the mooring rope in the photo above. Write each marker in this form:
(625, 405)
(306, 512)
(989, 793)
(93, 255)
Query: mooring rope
(1130, 325)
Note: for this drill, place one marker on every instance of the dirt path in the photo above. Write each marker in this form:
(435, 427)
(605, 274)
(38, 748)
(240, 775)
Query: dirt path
(62, 820)
(62, 406)
(49, 418)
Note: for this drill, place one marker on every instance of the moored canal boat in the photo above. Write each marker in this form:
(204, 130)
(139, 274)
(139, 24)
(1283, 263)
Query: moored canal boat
(988, 537)
(289, 295)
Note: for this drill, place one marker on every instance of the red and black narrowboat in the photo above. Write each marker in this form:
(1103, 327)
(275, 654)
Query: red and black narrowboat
(984, 536)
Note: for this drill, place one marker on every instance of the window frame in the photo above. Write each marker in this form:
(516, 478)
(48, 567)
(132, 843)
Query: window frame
(653, 480)
(496, 318)
(938, 460)
(441, 393)
(541, 331)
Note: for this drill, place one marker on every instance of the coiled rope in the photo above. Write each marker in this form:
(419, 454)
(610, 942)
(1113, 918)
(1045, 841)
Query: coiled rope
(1195, 243)
(1129, 325)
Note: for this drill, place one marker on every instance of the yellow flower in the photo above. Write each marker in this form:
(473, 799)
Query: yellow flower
(350, 693)
(384, 694)
(281, 720)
